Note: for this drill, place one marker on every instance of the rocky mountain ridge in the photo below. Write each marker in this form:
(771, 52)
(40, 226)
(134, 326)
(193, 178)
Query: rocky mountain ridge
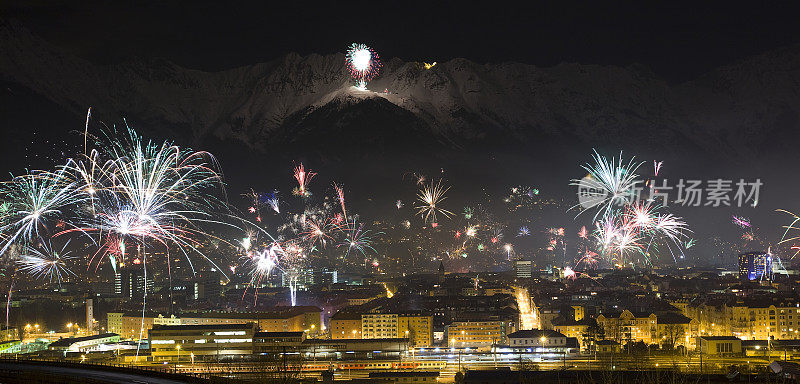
(750, 107)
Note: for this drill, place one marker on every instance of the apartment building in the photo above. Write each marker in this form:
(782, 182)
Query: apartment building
(477, 334)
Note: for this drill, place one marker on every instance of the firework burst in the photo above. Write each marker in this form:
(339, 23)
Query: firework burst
(32, 202)
(609, 183)
(363, 64)
(358, 239)
(790, 233)
(303, 178)
(431, 197)
(46, 261)
(274, 203)
(741, 222)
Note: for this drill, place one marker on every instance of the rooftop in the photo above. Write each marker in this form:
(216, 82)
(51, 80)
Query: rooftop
(72, 340)
(535, 334)
(278, 334)
(719, 338)
(404, 374)
(202, 326)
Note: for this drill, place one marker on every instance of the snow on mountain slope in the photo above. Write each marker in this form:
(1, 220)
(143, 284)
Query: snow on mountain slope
(454, 103)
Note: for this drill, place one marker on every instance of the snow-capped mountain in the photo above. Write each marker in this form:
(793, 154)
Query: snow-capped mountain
(457, 103)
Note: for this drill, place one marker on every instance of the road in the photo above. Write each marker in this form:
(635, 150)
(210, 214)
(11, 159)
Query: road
(9, 370)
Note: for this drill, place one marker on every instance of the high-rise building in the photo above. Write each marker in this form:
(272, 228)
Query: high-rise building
(118, 283)
(755, 266)
(206, 286)
(523, 269)
(326, 276)
(90, 316)
(130, 283)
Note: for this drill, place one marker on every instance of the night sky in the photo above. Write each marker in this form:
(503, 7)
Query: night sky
(676, 40)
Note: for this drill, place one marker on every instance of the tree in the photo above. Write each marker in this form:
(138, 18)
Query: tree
(594, 332)
(672, 333)
(636, 347)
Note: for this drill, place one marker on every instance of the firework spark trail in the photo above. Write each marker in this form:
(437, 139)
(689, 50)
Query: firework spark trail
(357, 239)
(86, 130)
(160, 194)
(46, 262)
(318, 232)
(340, 196)
(262, 263)
(497, 235)
(589, 259)
(303, 178)
(139, 191)
(34, 200)
(741, 222)
(468, 213)
(612, 183)
(151, 192)
(791, 227)
(273, 202)
(255, 208)
(431, 197)
(626, 225)
(508, 248)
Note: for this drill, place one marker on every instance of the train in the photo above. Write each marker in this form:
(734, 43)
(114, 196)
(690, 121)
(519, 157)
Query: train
(309, 366)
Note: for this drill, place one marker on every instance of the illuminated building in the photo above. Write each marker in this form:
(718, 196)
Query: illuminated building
(537, 338)
(523, 269)
(201, 342)
(281, 319)
(627, 326)
(475, 334)
(573, 328)
(344, 325)
(755, 266)
(277, 342)
(83, 344)
(719, 345)
(418, 328)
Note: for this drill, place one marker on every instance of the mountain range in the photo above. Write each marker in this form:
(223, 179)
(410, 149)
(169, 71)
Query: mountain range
(743, 110)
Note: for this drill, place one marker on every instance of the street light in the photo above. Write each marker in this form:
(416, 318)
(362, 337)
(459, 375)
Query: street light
(178, 347)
